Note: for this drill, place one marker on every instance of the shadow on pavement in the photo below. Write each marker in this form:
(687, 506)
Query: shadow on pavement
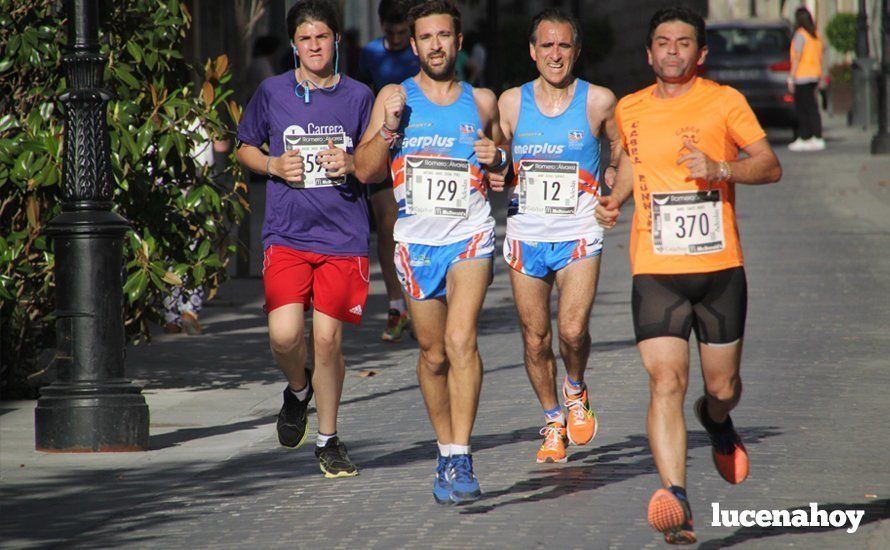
(875, 510)
(595, 468)
(424, 450)
(184, 435)
(101, 509)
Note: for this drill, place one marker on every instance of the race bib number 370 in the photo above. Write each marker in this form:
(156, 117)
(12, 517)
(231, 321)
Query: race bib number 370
(310, 145)
(548, 188)
(687, 222)
(437, 186)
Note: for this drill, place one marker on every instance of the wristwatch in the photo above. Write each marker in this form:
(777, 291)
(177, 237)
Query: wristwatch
(503, 161)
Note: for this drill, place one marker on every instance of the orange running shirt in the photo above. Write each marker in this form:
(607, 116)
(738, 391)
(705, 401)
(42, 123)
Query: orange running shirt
(677, 226)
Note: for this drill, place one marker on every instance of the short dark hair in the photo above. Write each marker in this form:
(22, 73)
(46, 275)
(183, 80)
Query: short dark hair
(312, 10)
(554, 15)
(394, 12)
(434, 7)
(678, 13)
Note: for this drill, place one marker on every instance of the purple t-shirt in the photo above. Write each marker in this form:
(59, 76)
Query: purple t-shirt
(327, 220)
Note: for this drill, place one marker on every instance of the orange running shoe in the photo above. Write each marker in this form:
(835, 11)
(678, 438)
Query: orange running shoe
(554, 447)
(729, 454)
(581, 421)
(670, 514)
(397, 322)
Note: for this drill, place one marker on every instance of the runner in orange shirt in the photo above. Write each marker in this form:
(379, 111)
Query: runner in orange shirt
(682, 138)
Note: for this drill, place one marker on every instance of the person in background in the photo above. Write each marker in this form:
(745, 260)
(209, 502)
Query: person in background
(476, 66)
(184, 302)
(261, 65)
(389, 60)
(806, 75)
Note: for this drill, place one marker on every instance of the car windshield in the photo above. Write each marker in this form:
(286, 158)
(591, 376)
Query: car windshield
(741, 41)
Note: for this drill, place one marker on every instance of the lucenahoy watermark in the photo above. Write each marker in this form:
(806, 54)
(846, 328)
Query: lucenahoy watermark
(814, 517)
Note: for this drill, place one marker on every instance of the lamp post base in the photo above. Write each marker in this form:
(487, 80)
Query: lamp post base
(111, 416)
(880, 144)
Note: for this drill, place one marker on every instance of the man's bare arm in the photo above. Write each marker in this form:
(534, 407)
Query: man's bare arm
(601, 104)
(372, 153)
(762, 166)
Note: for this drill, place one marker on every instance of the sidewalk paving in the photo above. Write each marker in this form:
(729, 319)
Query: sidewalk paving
(813, 416)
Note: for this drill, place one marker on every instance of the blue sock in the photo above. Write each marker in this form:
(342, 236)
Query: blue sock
(573, 387)
(554, 415)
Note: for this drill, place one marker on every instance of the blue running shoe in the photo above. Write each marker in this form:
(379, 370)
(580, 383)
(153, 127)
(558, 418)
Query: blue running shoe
(442, 483)
(464, 485)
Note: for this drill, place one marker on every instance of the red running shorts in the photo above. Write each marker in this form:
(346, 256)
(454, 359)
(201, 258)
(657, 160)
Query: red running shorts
(334, 285)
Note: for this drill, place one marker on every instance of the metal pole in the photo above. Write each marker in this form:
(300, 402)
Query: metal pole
(91, 406)
(880, 145)
(864, 70)
(862, 30)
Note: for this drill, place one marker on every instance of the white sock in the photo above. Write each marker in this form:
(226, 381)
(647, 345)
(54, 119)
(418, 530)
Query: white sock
(398, 304)
(301, 395)
(444, 450)
(459, 449)
(321, 439)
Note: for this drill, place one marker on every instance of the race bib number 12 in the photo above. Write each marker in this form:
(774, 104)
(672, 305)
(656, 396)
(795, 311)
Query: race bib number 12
(437, 186)
(310, 145)
(687, 222)
(548, 188)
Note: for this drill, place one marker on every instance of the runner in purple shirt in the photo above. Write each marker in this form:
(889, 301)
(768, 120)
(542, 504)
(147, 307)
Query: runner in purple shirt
(315, 231)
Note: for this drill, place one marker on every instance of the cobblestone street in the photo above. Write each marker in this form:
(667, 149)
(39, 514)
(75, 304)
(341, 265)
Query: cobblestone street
(813, 415)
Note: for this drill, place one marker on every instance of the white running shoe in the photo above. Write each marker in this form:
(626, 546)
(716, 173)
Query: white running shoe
(815, 144)
(797, 145)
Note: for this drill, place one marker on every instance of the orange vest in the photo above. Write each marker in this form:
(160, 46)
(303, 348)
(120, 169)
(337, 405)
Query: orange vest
(809, 62)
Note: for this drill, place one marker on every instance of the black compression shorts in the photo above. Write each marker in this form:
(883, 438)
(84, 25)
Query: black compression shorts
(714, 304)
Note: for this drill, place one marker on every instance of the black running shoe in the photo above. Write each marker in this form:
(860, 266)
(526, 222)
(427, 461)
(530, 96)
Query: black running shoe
(333, 460)
(728, 451)
(292, 418)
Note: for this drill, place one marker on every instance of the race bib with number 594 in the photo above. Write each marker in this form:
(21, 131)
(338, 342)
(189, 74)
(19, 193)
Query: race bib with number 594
(310, 145)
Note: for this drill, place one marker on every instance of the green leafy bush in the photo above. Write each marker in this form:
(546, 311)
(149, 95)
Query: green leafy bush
(841, 73)
(841, 32)
(164, 110)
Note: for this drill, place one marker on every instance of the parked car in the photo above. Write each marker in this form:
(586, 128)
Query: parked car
(752, 57)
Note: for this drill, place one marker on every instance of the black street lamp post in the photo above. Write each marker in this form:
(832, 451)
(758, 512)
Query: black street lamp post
(91, 406)
(880, 145)
(864, 71)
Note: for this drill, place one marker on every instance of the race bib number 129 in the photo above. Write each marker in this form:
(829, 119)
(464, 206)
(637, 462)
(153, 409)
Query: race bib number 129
(310, 145)
(687, 222)
(437, 186)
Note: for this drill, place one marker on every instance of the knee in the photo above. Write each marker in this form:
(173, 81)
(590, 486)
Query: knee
(667, 382)
(537, 344)
(573, 336)
(326, 345)
(460, 342)
(724, 388)
(284, 344)
(433, 360)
